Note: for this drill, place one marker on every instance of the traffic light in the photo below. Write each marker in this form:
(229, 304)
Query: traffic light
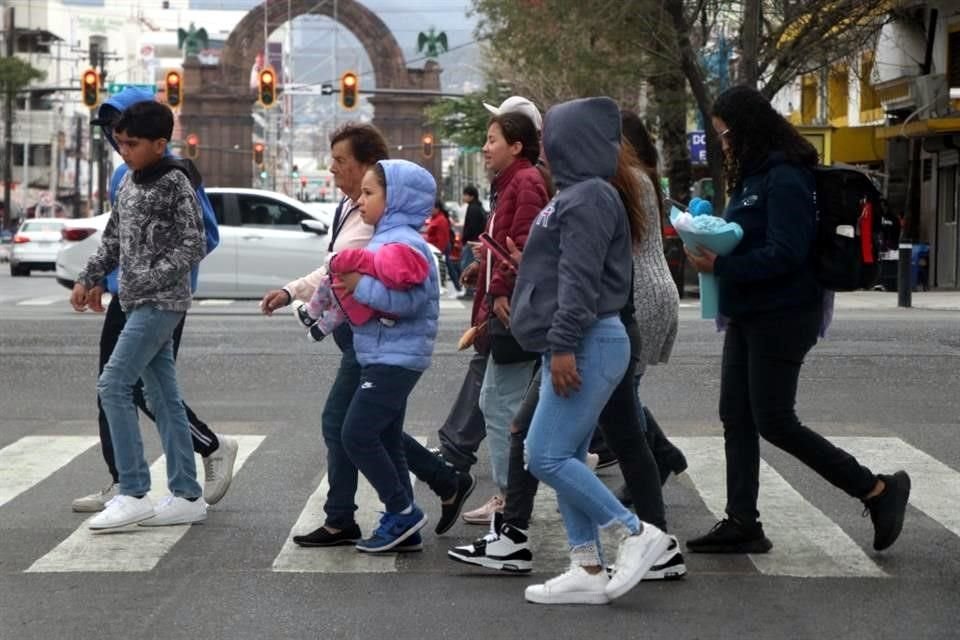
(193, 146)
(427, 145)
(303, 181)
(90, 88)
(349, 90)
(258, 149)
(267, 94)
(263, 174)
(174, 85)
(295, 172)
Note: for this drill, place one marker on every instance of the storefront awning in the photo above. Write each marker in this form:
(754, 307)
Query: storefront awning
(921, 128)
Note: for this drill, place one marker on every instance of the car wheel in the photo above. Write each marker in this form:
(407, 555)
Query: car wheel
(17, 270)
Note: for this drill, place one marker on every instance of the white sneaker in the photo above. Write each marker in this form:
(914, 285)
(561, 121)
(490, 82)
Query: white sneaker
(636, 555)
(670, 564)
(592, 461)
(95, 501)
(122, 511)
(218, 470)
(453, 294)
(576, 586)
(174, 510)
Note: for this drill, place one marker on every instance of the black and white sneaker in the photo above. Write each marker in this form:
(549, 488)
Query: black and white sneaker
(669, 566)
(315, 333)
(299, 308)
(504, 549)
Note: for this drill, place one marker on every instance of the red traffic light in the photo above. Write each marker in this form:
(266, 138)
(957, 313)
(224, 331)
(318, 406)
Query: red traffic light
(258, 148)
(192, 145)
(349, 90)
(427, 147)
(90, 88)
(174, 86)
(267, 93)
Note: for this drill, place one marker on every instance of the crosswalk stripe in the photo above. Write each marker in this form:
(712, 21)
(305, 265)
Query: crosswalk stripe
(808, 544)
(345, 559)
(30, 459)
(935, 487)
(213, 302)
(42, 302)
(137, 550)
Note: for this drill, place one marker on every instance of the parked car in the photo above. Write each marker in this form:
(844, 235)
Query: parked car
(266, 240)
(35, 246)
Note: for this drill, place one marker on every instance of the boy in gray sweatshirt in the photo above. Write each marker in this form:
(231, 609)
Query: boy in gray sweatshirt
(155, 235)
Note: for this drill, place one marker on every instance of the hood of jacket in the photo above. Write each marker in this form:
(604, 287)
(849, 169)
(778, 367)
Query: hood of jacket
(411, 192)
(581, 139)
(117, 103)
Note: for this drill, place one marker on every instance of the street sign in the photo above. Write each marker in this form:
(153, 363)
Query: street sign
(697, 142)
(116, 87)
(326, 89)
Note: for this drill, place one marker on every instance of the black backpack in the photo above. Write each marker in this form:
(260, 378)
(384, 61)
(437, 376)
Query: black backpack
(849, 215)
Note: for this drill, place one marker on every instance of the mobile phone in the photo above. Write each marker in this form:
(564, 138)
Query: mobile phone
(498, 249)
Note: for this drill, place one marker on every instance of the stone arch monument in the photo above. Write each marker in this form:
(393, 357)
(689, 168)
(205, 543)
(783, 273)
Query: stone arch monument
(218, 102)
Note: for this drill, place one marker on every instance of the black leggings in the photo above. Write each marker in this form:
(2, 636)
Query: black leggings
(204, 441)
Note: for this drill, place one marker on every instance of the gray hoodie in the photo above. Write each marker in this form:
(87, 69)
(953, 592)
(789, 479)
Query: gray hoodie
(577, 264)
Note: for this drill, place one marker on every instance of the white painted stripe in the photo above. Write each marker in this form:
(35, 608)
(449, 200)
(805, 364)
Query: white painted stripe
(215, 303)
(42, 302)
(935, 487)
(140, 548)
(29, 460)
(807, 544)
(345, 559)
(453, 304)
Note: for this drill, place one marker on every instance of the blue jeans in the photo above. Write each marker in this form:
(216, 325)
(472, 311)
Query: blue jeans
(341, 473)
(144, 351)
(560, 431)
(373, 432)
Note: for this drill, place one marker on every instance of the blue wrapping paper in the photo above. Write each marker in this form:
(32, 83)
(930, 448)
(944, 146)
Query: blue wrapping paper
(714, 234)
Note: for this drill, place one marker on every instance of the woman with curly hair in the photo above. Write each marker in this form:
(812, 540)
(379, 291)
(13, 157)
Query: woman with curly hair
(772, 303)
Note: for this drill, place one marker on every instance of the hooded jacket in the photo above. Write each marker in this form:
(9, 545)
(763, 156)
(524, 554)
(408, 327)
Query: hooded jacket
(408, 343)
(577, 264)
(106, 115)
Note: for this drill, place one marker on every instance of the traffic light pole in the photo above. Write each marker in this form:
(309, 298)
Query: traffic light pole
(101, 160)
(8, 129)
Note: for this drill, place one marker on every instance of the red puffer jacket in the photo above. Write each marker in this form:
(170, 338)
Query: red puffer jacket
(521, 194)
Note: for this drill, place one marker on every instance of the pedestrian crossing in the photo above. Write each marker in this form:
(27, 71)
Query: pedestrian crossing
(808, 543)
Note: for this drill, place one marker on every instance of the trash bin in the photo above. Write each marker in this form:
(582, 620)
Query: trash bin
(920, 267)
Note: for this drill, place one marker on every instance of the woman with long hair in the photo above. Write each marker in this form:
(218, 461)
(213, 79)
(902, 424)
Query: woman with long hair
(768, 292)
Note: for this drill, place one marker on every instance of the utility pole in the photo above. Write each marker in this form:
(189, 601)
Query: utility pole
(76, 167)
(8, 127)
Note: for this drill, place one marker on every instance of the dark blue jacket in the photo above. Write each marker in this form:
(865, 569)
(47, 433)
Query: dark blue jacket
(771, 269)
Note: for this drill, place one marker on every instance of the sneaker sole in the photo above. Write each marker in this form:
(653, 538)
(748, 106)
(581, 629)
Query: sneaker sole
(337, 543)
(656, 550)
(507, 566)
(126, 523)
(87, 508)
(192, 520)
(396, 541)
(755, 546)
(575, 597)
(670, 573)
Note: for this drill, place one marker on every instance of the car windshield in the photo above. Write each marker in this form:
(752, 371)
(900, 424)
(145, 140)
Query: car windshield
(42, 225)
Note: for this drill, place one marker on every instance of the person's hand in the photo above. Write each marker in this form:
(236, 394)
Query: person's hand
(477, 249)
(273, 300)
(564, 374)
(501, 309)
(470, 275)
(78, 297)
(702, 262)
(95, 299)
(515, 253)
(348, 281)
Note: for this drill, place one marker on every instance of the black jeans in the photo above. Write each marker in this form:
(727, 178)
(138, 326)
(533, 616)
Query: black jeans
(204, 441)
(464, 428)
(622, 431)
(758, 390)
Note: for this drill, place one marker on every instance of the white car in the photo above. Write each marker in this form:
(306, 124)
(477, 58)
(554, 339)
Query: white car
(35, 245)
(266, 240)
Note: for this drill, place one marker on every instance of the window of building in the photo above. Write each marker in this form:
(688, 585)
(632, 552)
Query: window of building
(40, 155)
(808, 99)
(869, 100)
(838, 90)
(953, 59)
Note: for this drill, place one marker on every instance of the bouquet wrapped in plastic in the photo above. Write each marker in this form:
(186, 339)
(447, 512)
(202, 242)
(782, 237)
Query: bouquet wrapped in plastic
(698, 227)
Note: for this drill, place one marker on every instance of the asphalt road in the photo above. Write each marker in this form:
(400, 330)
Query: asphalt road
(885, 381)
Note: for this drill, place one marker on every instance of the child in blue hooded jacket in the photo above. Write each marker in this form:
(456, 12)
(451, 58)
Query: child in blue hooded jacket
(396, 197)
